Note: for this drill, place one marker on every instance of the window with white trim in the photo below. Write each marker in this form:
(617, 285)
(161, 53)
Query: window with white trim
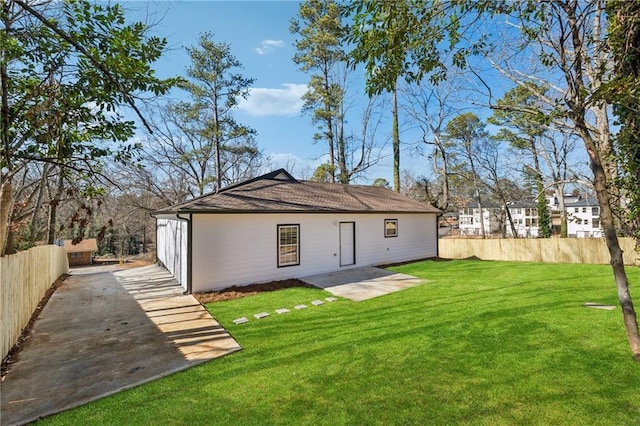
(288, 245)
(390, 228)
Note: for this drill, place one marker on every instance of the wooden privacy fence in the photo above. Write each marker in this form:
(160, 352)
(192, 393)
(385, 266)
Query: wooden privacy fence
(25, 277)
(551, 250)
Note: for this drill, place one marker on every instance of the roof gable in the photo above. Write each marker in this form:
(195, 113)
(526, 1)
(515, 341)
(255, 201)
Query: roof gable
(278, 191)
(280, 175)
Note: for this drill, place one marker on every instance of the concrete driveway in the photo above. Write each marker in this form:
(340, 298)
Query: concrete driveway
(363, 283)
(105, 330)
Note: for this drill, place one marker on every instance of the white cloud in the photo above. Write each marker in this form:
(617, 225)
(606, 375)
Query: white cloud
(284, 102)
(267, 45)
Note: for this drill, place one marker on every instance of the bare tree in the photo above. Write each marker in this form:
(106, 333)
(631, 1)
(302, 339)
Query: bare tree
(430, 107)
(465, 132)
(568, 37)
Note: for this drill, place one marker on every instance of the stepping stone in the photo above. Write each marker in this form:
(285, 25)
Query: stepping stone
(239, 321)
(317, 303)
(261, 315)
(282, 311)
(599, 306)
(300, 306)
(331, 299)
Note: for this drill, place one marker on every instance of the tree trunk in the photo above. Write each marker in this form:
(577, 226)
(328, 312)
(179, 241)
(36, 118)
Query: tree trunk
(5, 120)
(34, 216)
(482, 232)
(611, 238)
(6, 196)
(597, 151)
(6, 202)
(53, 209)
(330, 135)
(343, 173)
(216, 130)
(476, 185)
(442, 171)
(514, 231)
(396, 142)
(563, 210)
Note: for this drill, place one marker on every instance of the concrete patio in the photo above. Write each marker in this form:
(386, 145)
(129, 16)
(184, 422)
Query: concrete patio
(105, 330)
(363, 283)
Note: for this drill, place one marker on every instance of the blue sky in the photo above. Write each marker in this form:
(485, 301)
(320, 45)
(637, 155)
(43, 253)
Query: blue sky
(258, 32)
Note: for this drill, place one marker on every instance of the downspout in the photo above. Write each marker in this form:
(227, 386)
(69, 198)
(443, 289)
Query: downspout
(189, 251)
(156, 240)
(438, 216)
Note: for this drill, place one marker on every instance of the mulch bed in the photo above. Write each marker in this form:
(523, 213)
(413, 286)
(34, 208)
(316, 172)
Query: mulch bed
(236, 292)
(12, 356)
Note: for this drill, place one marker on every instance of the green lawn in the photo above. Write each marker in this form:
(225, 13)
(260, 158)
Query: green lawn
(480, 343)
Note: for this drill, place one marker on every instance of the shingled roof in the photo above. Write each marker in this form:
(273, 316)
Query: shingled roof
(278, 191)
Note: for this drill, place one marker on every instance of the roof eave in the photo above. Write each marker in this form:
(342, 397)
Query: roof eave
(315, 211)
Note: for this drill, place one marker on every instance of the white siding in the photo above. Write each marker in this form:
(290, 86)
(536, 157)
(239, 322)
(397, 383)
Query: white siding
(241, 249)
(172, 247)
(469, 220)
(581, 221)
(525, 220)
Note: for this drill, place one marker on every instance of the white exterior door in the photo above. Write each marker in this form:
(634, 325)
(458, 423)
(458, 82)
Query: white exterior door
(347, 243)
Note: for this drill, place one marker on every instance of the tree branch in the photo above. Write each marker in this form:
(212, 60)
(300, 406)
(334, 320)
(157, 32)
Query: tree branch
(95, 61)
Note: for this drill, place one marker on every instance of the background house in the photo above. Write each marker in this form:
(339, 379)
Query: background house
(524, 214)
(275, 227)
(583, 219)
(81, 253)
(469, 219)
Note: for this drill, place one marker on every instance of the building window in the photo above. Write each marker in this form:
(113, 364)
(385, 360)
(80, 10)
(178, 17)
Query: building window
(75, 255)
(595, 223)
(576, 210)
(288, 245)
(584, 210)
(595, 211)
(390, 228)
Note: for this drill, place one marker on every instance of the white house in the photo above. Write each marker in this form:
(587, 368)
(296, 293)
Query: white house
(469, 219)
(275, 227)
(524, 214)
(583, 219)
